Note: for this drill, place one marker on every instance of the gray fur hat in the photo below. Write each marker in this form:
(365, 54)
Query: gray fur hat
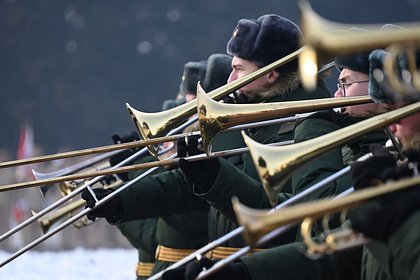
(359, 61)
(193, 73)
(217, 71)
(265, 40)
(356, 62)
(379, 88)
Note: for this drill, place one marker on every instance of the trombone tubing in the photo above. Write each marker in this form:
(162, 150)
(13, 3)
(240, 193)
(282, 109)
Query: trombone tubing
(157, 140)
(74, 218)
(82, 187)
(108, 148)
(49, 219)
(99, 203)
(315, 209)
(96, 179)
(134, 167)
(116, 170)
(263, 240)
(240, 229)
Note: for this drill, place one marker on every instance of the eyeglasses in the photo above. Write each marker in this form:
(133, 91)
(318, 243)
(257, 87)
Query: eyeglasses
(342, 86)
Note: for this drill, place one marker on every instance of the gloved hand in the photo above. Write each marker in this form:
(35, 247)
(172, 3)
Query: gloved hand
(115, 159)
(110, 210)
(201, 173)
(233, 271)
(387, 213)
(370, 171)
(405, 169)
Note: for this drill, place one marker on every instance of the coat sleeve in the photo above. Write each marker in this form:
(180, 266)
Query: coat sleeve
(164, 194)
(321, 167)
(230, 182)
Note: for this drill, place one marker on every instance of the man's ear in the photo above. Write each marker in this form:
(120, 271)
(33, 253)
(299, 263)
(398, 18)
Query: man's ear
(272, 76)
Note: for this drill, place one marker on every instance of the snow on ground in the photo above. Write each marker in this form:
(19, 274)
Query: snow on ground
(80, 264)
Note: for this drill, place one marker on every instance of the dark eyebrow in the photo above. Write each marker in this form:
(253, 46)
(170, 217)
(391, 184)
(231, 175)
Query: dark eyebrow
(344, 79)
(237, 66)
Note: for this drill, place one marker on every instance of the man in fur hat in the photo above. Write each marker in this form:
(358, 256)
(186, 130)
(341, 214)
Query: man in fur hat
(392, 222)
(287, 260)
(254, 44)
(192, 74)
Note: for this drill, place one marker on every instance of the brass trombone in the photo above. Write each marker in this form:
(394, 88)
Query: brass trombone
(236, 232)
(209, 110)
(151, 125)
(70, 169)
(258, 222)
(215, 116)
(325, 39)
(66, 188)
(276, 164)
(401, 63)
(46, 221)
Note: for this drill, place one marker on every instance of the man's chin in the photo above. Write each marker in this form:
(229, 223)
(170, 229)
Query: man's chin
(413, 143)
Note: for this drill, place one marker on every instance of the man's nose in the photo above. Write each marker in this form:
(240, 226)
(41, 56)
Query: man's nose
(232, 77)
(338, 93)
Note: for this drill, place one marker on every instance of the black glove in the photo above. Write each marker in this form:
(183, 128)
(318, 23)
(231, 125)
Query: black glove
(386, 214)
(110, 210)
(115, 159)
(405, 169)
(174, 274)
(233, 271)
(370, 171)
(201, 173)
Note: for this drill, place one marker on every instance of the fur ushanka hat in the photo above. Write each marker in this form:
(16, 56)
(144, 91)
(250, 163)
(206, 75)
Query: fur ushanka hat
(266, 40)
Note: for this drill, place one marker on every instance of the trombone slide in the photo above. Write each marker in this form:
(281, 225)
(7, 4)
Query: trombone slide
(325, 39)
(258, 222)
(276, 164)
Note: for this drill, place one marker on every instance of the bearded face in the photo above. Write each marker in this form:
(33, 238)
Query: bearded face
(407, 131)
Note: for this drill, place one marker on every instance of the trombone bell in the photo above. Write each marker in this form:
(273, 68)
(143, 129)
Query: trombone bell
(325, 39)
(257, 222)
(276, 164)
(152, 125)
(216, 116)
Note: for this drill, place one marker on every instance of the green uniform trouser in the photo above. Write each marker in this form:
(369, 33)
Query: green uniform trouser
(142, 235)
(375, 262)
(288, 262)
(145, 266)
(185, 232)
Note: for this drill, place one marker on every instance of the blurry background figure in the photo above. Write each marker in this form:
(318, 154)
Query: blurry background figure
(18, 213)
(25, 150)
(193, 73)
